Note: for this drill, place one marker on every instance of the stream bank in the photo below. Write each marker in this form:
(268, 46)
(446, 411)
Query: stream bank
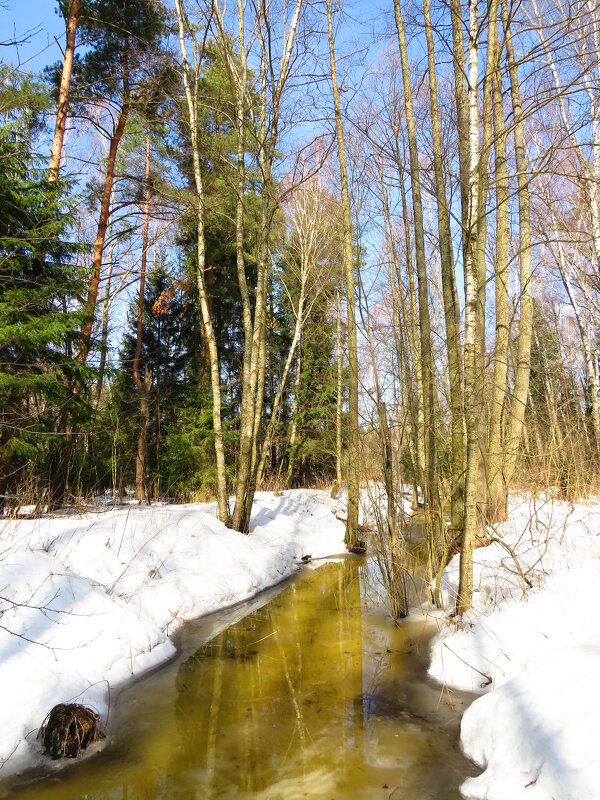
(308, 690)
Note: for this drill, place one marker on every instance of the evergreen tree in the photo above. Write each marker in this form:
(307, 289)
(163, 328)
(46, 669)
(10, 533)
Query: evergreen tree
(179, 426)
(40, 288)
(313, 453)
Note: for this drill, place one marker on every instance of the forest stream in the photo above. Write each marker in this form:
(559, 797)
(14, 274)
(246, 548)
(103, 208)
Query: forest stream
(308, 690)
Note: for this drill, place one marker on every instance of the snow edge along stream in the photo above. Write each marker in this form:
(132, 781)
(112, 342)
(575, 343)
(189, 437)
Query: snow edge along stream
(87, 601)
(531, 647)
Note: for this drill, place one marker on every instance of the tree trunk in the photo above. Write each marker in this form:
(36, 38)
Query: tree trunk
(384, 431)
(142, 387)
(495, 456)
(522, 370)
(388, 469)
(418, 419)
(295, 411)
(399, 324)
(282, 383)
(430, 488)
(254, 387)
(480, 244)
(109, 175)
(348, 268)
(63, 92)
(215, 377)
(237, 72)
(339, 394)
(59, 479)
(449, 292)
(140, 462)
(105, 309)
(409, 317)
(472, 409)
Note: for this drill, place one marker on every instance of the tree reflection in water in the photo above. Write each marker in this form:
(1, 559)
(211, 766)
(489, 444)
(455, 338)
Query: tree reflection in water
(315, 694)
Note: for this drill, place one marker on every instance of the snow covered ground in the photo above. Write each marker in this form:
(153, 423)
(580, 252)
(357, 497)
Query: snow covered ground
(532, 647)
(88, 600)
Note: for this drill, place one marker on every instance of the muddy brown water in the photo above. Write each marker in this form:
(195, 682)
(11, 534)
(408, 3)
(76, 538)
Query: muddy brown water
(309, 690)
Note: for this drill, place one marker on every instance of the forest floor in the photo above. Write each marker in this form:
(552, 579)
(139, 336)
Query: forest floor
(531, 646)
(89, 598)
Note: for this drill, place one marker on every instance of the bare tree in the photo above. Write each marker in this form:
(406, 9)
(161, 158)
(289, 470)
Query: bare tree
(430, 486)
(348, 269)
(307, 274)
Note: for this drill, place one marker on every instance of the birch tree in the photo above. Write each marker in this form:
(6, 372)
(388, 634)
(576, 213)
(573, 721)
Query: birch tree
(307, 273)
(191, 77)
(468, 133)
(274, 75)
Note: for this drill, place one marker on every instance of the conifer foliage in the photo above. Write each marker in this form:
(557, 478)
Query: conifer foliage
(40, 292)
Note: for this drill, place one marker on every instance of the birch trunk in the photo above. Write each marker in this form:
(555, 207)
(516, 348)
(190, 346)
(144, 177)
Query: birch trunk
(253, 388)
(295, 411)
(472, 406)
(282, 384)
(192, 100)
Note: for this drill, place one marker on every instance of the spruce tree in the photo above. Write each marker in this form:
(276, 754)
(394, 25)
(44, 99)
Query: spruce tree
(40, 291)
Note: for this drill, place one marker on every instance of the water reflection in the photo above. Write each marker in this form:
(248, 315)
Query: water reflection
(260, 705)
(312, 695)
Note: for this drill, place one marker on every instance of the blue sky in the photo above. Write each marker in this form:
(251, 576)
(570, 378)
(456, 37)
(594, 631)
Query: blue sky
(38, 20)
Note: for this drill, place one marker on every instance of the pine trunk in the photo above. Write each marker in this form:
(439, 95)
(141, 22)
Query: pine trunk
(63, 91)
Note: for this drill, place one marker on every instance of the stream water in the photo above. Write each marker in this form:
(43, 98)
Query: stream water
(307, 691)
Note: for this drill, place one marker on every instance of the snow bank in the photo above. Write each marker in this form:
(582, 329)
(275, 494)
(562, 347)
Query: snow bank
(87, 601)
(532, 645)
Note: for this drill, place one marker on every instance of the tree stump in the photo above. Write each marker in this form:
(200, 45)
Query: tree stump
(68, 729)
